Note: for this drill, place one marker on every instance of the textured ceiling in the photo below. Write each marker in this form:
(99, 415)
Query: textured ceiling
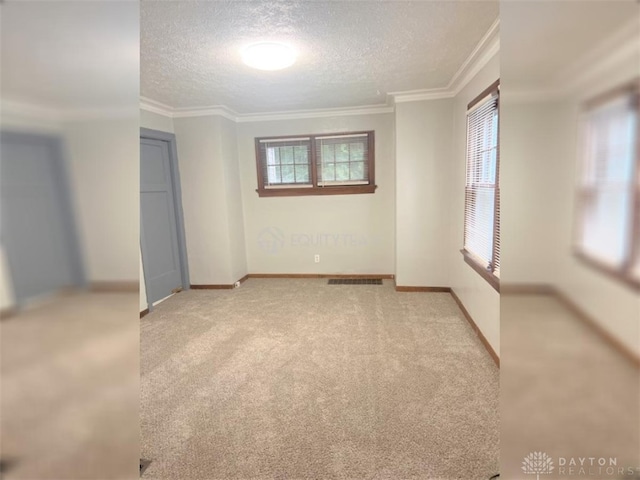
(350, 53)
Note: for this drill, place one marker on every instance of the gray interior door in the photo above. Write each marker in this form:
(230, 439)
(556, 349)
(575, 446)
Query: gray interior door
(159, 237)
(37, 224)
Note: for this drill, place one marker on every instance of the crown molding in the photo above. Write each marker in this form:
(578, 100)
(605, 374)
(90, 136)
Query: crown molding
(20, 112)
(420, 95)
(154, 106)
(316, 113)
(151, 105)
(620, 48)
(218, 110)
(593, 69)
(483, 52)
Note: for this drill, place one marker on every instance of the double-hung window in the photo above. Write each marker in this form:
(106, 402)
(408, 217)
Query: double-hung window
(341, 163)
(608, 226)
(482, 190)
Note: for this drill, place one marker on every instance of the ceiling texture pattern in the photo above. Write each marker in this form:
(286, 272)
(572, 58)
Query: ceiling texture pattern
(350, 53)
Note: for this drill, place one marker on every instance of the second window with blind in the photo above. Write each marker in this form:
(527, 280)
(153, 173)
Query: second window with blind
(482, 189)
(341, 163)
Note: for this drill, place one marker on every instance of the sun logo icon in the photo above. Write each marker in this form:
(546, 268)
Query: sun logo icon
(537, 463)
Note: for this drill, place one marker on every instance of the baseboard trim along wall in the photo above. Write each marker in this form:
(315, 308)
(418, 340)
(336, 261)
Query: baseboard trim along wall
(144, 312)
(385, 276)
(526, 289)
(578, 312)
(7, 313)
(597, 328)
(473, 324)
(291, 275)
(401, 288)
(224, 286)
(212, 287)
(117, 286)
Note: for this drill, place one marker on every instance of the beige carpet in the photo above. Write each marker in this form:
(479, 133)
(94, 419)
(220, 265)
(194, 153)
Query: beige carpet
(69, 393)
(564, 392)
(295, 379)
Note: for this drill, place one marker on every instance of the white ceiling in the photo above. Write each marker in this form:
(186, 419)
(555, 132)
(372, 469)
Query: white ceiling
(542, 42)
(352, 53)
(70, 54)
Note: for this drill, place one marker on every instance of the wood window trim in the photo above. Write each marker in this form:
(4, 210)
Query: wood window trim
(617, 274)
(314, 189)
(622, 274)
(485, 273)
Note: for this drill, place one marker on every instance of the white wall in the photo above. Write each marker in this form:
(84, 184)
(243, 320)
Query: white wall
(155, 121)
(423, 157)
(207, 161)
(539, 147)
(229, 156)
(103, 159)
(531, 193)
(479, 298)
(351, 233)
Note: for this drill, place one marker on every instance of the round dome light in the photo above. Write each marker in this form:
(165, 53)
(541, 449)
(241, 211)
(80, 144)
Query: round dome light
(269, 56)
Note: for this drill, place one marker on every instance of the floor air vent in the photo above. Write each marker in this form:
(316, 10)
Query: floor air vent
(355, 281)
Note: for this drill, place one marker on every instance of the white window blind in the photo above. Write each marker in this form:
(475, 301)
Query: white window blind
(609, 184)
(343, 159)
(482, 192)
(286, 162)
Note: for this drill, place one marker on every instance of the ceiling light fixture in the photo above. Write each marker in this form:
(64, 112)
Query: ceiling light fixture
(269, 55)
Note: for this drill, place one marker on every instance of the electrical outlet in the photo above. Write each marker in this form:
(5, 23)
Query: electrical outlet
(316, 258)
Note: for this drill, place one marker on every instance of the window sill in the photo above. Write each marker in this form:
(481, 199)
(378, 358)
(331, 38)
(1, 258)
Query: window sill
(298, 192)
(611, 272)
(483, 272)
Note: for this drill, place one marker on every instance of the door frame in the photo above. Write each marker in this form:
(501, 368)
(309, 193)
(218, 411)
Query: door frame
(170, 139)
(63, 182)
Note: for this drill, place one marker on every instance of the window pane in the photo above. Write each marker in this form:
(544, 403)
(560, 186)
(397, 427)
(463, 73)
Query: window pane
(342, 152)
(606, 225)
(279, 159)
(301, 155)
(286, 155)
(479, 228)
(272, 156)
(342, 172)
(273, 174)
(328, 153)
(357, 152)
(607, 185)
(328, 172)
(302, 173)
(287, 174)
(357, 171)
(480, 221)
